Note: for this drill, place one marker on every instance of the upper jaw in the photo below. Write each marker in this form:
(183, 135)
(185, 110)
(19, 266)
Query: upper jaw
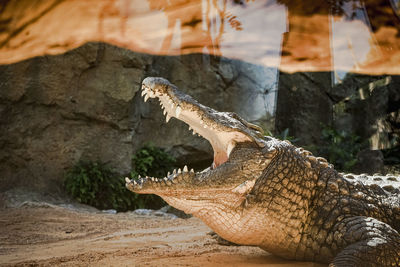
(153, 87)
(223, 130)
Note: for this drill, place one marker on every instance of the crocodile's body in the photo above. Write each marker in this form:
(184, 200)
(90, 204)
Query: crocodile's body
(265, 192)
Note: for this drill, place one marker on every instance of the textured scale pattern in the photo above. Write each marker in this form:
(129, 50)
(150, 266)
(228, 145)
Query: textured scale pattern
(265, 192)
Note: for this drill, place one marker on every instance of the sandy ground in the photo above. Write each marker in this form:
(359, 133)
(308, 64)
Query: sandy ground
(50, 235)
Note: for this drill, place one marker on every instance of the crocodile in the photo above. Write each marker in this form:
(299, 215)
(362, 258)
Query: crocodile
(261, 191)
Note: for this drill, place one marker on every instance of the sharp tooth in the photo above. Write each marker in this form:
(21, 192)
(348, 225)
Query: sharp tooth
(191, 170)
(168, 174)
(127, 180)
(165, 112)
(179, 170)
(156, 179)
(139, 177)
(190, 128)
(152, 178)
(178, 111)
(174, 172)
(144, 92)
(185, 169)
(146, 98)
(167, 118)
(134, 182)
(165, 179)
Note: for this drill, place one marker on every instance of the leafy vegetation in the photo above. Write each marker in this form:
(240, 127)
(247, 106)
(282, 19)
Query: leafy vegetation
(151, 161)
(98, 185)
(339, 148)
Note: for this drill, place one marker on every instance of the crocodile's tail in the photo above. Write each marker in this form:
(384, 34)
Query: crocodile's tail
(387, 186)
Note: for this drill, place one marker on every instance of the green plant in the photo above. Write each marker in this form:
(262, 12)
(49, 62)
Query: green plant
(96, 184)
(151, 161)
(339, 147)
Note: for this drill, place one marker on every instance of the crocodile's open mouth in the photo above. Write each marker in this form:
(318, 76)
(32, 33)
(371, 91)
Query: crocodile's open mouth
(224, 131)
(212, 125)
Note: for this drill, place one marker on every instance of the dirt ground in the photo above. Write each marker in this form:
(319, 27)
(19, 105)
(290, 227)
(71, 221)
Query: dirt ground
(52, 235)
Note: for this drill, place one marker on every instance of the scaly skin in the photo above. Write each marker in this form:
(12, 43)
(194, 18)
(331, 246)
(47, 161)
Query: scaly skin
(266, 192)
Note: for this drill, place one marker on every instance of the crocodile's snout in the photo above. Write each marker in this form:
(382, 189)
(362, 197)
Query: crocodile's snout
(222, 129)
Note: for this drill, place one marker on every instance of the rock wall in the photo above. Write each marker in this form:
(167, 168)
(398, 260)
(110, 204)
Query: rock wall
(364, 105)
(84, 104)
(368, 105)
(303, 105)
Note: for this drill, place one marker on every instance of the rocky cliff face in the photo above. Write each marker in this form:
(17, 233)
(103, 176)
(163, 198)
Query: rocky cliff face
(56, 110)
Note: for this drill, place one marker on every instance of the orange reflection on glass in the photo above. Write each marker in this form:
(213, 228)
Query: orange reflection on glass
(355, 35)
